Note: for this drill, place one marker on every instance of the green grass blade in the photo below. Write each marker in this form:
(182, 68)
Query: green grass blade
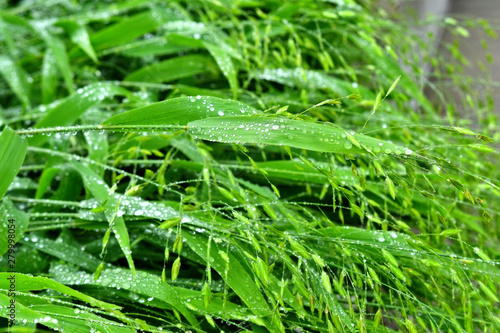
(25, 312)
(124, 31)
(179, 111)
(102, 193)
(299, 77)
(16, 78)
(145, 284)
(109, 11)
(237, 277)
(67, 318)
(12, 152)
(56, 45)
(298, 171)
(98, 148)
(173, 69)
(392, 69)
(72, 107)
(20, 223)
(25, 283)
(49, 77)
(196, 212)
(79, 35)
(283, 131)
(226, 66)
(170, 44)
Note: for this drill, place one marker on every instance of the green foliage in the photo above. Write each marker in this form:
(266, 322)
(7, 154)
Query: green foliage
(243, 166)
(12, 152)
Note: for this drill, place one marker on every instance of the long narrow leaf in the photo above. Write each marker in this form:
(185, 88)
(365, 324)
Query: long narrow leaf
(16, 78)
(282, 131)
(102, 193)
(58, 48)
(79, 36)
(24, 283)
(145, 284)
(12, 152)
(173, 69)
(180, 111)
(12, 220)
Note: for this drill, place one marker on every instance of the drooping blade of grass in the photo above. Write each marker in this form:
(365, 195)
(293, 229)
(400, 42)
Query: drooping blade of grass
(299, 77)
(25, 283)
(60, 318)
(170, 44)
(101, 192)
(145, 284)
(23, 183)
(126, 30)
(58, 48)
(25, 312)
(49, 77)
(71, 108)
(16, 78)
(48, 174)
(317, 269)
(298, 171)
(63, 251)
(79, 35)
(98, 144)
(393, 242)
(237, 277)
(108, 11)
(98, 148)
(180, 111)
(392, 69)
(226, 66)
(7, 38)
(12, 152)
(287, 132)
(9, 212)
(173, 69)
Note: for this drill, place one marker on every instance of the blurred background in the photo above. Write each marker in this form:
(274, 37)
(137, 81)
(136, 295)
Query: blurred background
(483, 63)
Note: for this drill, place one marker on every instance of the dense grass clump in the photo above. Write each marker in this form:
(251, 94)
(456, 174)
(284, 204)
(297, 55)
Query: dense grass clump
(242, 166)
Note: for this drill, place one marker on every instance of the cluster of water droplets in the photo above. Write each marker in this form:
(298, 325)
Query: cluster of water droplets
(281, 75)
(209, 107)
(185, 27)
(281, 131)
(301, 77)
(22, 183)
(131, 206)
(96, 92)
